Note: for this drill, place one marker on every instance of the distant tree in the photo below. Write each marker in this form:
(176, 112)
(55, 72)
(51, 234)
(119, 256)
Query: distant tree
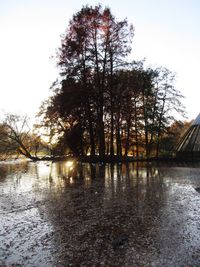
(6, 149)
(172, 136)
(167, 104)
(16, 137)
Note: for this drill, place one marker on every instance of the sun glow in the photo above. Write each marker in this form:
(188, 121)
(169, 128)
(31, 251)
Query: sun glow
(70, 164)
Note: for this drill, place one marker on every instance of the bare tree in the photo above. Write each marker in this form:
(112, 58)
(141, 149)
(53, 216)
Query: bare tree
(16, 137)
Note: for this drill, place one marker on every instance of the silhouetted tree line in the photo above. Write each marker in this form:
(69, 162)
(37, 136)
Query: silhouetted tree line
(103, 105)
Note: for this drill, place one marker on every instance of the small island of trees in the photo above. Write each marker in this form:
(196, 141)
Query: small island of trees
(102, 106)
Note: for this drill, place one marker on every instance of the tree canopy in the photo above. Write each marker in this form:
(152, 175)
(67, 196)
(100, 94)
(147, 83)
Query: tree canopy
(103, 104)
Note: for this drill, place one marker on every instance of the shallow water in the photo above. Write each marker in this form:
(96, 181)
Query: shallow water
(68, 214)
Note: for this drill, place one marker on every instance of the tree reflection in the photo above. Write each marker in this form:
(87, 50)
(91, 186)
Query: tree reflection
(95, 213)
(13, 168)
(101, 205)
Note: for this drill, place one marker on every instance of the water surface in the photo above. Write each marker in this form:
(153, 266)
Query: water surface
(70, 214)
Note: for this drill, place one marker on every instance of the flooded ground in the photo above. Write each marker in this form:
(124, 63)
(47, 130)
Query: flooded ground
(67, 214)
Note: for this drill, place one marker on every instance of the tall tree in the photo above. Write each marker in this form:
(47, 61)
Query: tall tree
(93, 47)
(101, 104)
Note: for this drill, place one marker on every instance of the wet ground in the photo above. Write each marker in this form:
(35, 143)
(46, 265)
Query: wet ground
(67, 214)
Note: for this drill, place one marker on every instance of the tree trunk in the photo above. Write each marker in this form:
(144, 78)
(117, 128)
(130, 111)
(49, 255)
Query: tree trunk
(91, 132)
(136, 129)
(100, 104)
(118, 139)
(127, 135)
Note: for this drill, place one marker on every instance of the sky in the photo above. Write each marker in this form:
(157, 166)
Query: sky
(167, 33)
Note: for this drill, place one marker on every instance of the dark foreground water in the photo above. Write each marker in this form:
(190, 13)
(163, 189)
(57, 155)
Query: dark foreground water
(65, 214)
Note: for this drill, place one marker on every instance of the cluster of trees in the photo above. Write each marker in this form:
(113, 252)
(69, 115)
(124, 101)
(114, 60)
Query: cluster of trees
(101, 103)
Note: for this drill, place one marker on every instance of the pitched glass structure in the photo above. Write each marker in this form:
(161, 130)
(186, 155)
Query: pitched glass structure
(189, 145)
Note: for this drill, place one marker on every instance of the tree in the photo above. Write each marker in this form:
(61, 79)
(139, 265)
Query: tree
(6, 148)
(101, 104)
(172, 136)
(16, 137)
(167, 102)
(94, 46)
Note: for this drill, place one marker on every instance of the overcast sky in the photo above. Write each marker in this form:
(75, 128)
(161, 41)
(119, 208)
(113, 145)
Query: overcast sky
(167, 33)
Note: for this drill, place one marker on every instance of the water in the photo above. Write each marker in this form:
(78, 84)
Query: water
(70, 214)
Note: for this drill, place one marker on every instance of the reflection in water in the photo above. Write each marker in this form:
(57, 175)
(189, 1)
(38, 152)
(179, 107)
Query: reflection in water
(66, 213)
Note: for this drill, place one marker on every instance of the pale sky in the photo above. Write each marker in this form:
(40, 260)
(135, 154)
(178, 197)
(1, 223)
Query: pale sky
(167, 33)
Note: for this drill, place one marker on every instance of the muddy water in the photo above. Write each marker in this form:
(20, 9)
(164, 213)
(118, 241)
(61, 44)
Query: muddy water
(67, 214)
